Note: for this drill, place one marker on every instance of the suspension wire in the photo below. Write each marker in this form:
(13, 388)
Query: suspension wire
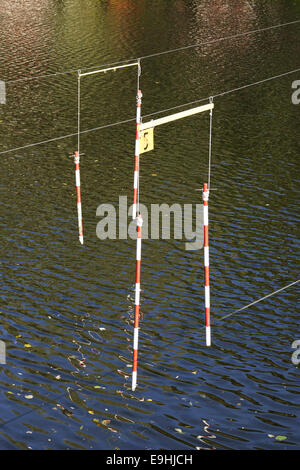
(74, 134)
(67, 72)
(78, 114)
(218, 95)
(156, 54)
(210, 144)
(255, 83)
(105, 126)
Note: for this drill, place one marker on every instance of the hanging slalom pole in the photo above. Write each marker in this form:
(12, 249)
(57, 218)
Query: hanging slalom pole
(137, 147)
(77, 154)
(206, 265)
(139, 221)
(206, 188)
(78, 193)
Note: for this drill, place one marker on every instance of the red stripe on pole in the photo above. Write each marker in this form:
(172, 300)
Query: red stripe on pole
(136, 316)
(205, 235)
(136, 163)
(138, 271)
(135, 355)
(207, 316)
(78, 193)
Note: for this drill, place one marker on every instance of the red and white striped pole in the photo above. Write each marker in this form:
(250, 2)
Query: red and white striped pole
(139, 221)
(206, 265)
(78, 191)
(137, 154)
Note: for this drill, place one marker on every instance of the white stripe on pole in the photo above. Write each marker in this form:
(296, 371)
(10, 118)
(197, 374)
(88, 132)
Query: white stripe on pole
(135, 338)
(134, 377)
(206, 256)
(2, 92)
(138, 249)
(137, 293)
(208, 336)
(205, 215)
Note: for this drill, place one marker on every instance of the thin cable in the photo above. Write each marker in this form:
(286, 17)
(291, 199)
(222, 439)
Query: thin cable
(259, 300)
(75, 134)
(105, 126)
(256, 83)
(210, 145)
(221, 94)
(39, 143)
(156, 54)
(40, 77)
(235, 36)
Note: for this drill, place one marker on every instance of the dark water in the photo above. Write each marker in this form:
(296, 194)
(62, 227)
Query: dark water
(67, 310)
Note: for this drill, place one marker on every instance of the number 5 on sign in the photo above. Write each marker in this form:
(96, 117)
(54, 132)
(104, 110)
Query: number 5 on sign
(146, 140)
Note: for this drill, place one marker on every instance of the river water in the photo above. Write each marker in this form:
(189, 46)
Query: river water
(67, 310)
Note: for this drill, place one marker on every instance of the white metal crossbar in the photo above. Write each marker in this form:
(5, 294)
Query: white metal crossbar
(107, 69)
(174, 117)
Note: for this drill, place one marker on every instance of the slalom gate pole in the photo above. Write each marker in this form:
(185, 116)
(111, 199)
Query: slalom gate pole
(206, 265)
(137, 154)
(139, 221)
(78, 193)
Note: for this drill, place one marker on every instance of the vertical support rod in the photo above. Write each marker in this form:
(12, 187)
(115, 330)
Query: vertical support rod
(139, 221)
(78, 192)
(137, 155)
(78, 112)
(210, 142)
(206, 265)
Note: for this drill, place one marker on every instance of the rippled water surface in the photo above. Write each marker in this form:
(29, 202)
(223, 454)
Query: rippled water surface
(67, 310)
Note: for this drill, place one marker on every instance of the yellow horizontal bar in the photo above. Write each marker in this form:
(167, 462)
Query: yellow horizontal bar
(107, 69)
(174, 117)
